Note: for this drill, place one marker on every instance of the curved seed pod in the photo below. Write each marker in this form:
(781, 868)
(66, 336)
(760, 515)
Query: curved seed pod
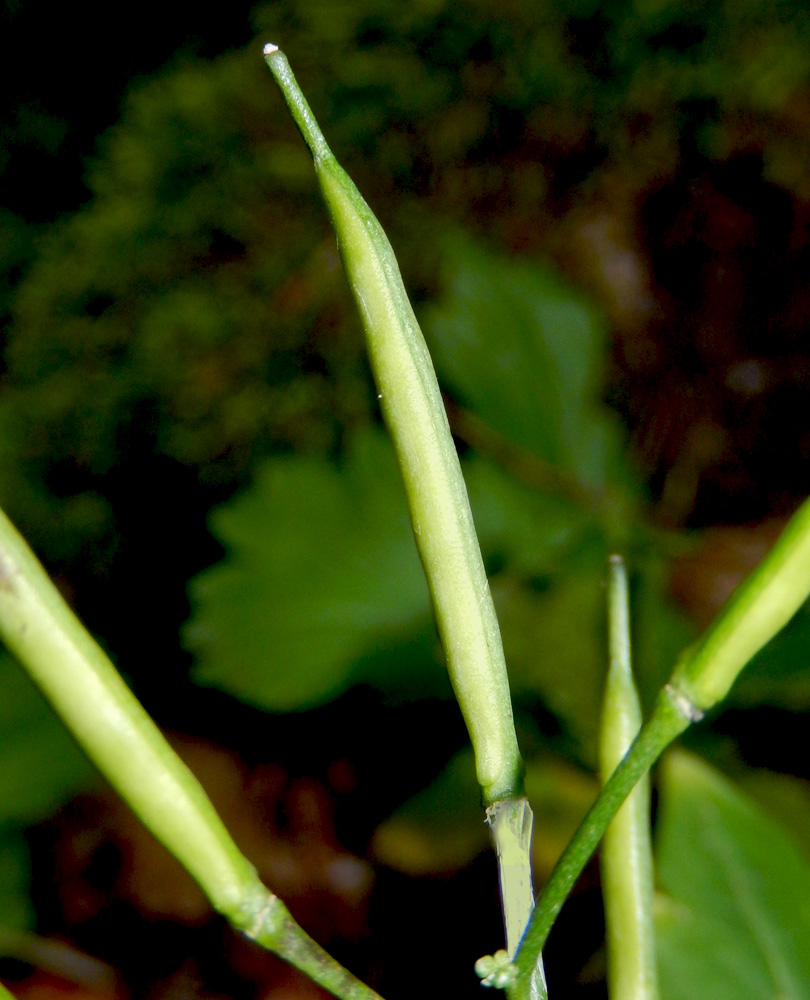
(111, 726)
(118, 735)
(414, 413)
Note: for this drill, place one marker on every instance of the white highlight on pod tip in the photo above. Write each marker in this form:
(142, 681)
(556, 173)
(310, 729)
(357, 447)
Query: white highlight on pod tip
(269, 49)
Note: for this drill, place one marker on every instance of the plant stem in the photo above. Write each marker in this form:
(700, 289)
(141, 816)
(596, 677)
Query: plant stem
(283, 935)
(118, 735)
(626, 851)
(59, 958)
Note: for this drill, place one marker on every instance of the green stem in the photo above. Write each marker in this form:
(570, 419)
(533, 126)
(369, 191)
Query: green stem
(281, 934)
(119, 736)
(626, 851)
(669, 719)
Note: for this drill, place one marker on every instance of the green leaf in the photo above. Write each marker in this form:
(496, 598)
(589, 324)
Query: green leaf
(778, 674)
(440, 829)
(785, 798)
(321, 579)
(40, 764)
(525, 352)
(16, 908)
(40, 768)
(555, 646)
(734, 919)
(529, 531)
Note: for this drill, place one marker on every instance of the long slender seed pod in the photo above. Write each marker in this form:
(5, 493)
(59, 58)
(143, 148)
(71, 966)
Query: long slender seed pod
(763, 603)
(117, 734)
(437, 497)
(110, 724)
(626, 852)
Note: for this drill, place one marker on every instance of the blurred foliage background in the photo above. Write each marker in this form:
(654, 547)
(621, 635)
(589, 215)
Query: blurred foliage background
(601, 212)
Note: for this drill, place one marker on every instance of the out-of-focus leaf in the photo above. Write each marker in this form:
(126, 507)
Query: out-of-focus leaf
(786, 799)
(440, 830)
(779, 675)
(40, 768)
(555, 646)
(734, 919)
(660, 630)
(321, 575)
(529, 531)
(40, 764)
(16, 908)
(525, 352)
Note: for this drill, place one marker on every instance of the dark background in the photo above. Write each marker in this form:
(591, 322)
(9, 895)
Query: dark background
(656, 158)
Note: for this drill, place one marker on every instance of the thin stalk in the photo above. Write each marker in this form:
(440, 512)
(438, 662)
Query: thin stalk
(626, 851)
(59, 958)
(282, 935)
(112, 727)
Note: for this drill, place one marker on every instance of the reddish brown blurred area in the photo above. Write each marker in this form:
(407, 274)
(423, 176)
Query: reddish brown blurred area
(110, 880)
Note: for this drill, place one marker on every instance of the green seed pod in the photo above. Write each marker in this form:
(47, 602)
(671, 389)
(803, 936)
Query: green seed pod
(626, 852)
(414, 413)
(762, 605)
(111, 726)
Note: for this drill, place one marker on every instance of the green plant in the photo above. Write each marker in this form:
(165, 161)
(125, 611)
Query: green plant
(80, 682)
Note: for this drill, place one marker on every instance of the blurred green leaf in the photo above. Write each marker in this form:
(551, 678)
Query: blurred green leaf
(40, 768)
(40, 764)
(16, 908)
(785, 798)
(733, 920)
(778, 675)
(529, 530)
(321, 574)
(440, 829)
(554, 641)
(525, 352)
